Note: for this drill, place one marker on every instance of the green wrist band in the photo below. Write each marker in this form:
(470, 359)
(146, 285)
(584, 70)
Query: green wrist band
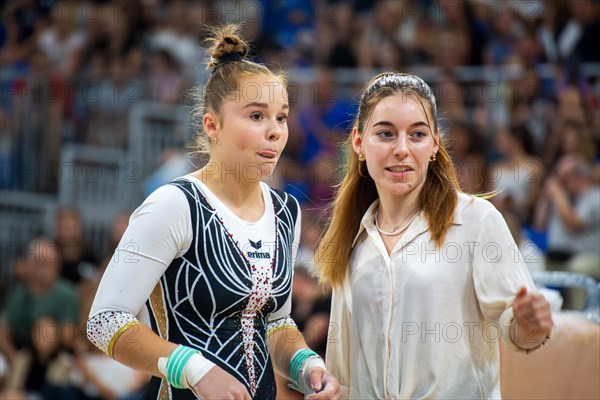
(296, 364)
(176, 364)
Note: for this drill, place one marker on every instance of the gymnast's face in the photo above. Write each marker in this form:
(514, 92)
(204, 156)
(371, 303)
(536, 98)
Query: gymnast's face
(252, 130)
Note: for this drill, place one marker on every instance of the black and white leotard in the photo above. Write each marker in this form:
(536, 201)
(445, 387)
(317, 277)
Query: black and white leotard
(209, 279)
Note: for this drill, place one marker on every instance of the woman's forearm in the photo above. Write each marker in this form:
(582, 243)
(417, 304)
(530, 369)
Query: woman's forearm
(283, 344)
(140, 348)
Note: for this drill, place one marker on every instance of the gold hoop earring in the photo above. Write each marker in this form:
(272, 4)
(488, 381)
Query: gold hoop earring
(433, 157)
(361, 159)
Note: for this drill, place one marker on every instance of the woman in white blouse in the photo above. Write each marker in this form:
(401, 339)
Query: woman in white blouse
(426, 279)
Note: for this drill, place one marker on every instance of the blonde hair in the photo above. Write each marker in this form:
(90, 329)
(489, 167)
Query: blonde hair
(357, 191)
(229, 64)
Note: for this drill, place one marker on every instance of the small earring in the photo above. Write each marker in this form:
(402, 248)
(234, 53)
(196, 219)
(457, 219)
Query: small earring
(217, 141)
(432, 158)
(361, 159)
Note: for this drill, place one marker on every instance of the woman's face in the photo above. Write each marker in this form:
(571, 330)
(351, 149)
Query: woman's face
(68, 228)
(252, 131)
(397, 143)
(570, 143)
(505, 143)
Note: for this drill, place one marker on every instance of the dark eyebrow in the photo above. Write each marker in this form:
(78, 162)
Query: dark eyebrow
(388, 123)
(383, 123)
(420, 123)
(263, 105)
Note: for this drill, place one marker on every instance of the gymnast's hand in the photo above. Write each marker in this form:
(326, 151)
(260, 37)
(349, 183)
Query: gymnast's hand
(324, 385)
(218, 384)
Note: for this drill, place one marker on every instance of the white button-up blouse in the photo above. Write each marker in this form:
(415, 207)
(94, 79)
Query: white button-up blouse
(424, 322)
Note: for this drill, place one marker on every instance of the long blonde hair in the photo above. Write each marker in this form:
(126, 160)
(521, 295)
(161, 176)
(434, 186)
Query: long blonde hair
(357, 191)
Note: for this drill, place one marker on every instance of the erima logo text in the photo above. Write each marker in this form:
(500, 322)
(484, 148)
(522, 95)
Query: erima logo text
(257, 254)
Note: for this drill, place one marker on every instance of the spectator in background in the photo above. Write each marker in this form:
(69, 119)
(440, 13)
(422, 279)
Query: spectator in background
(571, 102)
(312, 227)
(529, 106)
(43, 370)
(118, 225)
(124, 38)
(461, 17)
(89, 283)
(517, 176)
(584, 31)
(503, 38)
(551, 32)
(173, 163)
(383, 27)
(42, 293)
(292, 27)
(20, 270)
(571, 137)
(62, 41)
(304, 292)
(391, 55)
(322, 123)
(464, 145)
(452, 96)
(39, 134)
(119, 42)
(570, 209)
(19, 27)
(97, 376)
(528, 52)
(173, 33)
(166, 83)
(451, 49)
(77, 258)
(311, 305)
(340, 37)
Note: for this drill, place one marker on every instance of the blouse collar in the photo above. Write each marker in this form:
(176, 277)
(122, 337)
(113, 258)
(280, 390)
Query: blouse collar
(418, 226)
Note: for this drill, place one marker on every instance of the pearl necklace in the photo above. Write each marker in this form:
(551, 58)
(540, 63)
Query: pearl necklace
(396, 230)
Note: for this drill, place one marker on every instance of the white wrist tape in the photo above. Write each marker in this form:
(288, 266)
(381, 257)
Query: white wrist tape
(196, 368)
(313, 362)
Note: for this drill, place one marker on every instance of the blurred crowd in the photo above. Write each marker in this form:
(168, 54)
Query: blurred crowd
(517, 82)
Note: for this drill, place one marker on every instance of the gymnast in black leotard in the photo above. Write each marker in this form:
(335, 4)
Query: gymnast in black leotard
(198, 290)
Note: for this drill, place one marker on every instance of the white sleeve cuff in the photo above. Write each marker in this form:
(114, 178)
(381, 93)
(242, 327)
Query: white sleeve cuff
(281, 323)
(505, 322)
(105, 328)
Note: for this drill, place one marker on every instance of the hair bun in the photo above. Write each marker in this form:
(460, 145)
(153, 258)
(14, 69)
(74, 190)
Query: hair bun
(226, 45)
